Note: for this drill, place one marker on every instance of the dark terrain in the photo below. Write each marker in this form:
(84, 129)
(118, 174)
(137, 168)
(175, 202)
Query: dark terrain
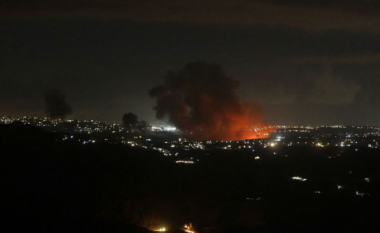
(49, 185)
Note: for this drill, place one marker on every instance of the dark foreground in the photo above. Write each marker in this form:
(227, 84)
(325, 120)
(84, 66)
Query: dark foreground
(49, 185)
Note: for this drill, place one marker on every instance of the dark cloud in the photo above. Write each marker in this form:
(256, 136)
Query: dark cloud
(361, 58)
(331, 89)
(106, 55)
(56, 105)
(326, 87)
(315, 16)
(201, 99)
(321, 114)
(368, 7)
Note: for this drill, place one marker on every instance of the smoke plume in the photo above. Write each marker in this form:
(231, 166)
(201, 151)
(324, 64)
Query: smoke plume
(201, 100)
(56, 105)
(130, 120)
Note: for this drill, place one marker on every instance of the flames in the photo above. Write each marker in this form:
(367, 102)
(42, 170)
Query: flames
(200, 99)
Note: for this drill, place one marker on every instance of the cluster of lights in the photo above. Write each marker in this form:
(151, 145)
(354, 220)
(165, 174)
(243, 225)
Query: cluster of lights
(185, 161)
(299, 178)
(188, 228)
(163, 128)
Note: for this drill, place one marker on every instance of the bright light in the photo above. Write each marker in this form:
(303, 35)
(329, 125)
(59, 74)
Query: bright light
(299, 178)
(184, 161)
(170, 128)
(188, 228)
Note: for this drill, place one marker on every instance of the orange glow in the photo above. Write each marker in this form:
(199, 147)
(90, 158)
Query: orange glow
(234, 134)
(188, 228)
(201, 100)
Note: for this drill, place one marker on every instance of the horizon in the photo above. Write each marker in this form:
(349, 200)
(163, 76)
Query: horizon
(169, 124)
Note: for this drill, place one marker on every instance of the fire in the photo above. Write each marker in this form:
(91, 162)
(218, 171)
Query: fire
(200, 99)
(188, 228)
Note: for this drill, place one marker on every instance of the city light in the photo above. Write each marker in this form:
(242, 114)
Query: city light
(299, 178)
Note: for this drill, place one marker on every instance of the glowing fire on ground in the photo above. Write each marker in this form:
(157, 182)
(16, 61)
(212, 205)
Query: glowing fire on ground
(201, 100)
(188, 228)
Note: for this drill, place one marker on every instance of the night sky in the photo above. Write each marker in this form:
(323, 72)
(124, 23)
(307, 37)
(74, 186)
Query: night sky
(304, 63)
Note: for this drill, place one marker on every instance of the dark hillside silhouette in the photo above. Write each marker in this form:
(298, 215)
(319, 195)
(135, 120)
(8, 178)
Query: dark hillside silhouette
(53, 186)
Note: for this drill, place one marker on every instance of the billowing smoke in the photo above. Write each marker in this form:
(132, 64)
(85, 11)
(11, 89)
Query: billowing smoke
(131, 122)
(56, 105)
(200, 99)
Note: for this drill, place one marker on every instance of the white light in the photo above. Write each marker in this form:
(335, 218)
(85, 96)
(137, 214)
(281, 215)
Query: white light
(184, 161)
(299, 178)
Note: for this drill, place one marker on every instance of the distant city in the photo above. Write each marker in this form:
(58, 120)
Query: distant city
(75, 126)
(327, 163)
(151, 136)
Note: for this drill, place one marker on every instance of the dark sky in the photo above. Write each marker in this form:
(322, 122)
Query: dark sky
(305, 63)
